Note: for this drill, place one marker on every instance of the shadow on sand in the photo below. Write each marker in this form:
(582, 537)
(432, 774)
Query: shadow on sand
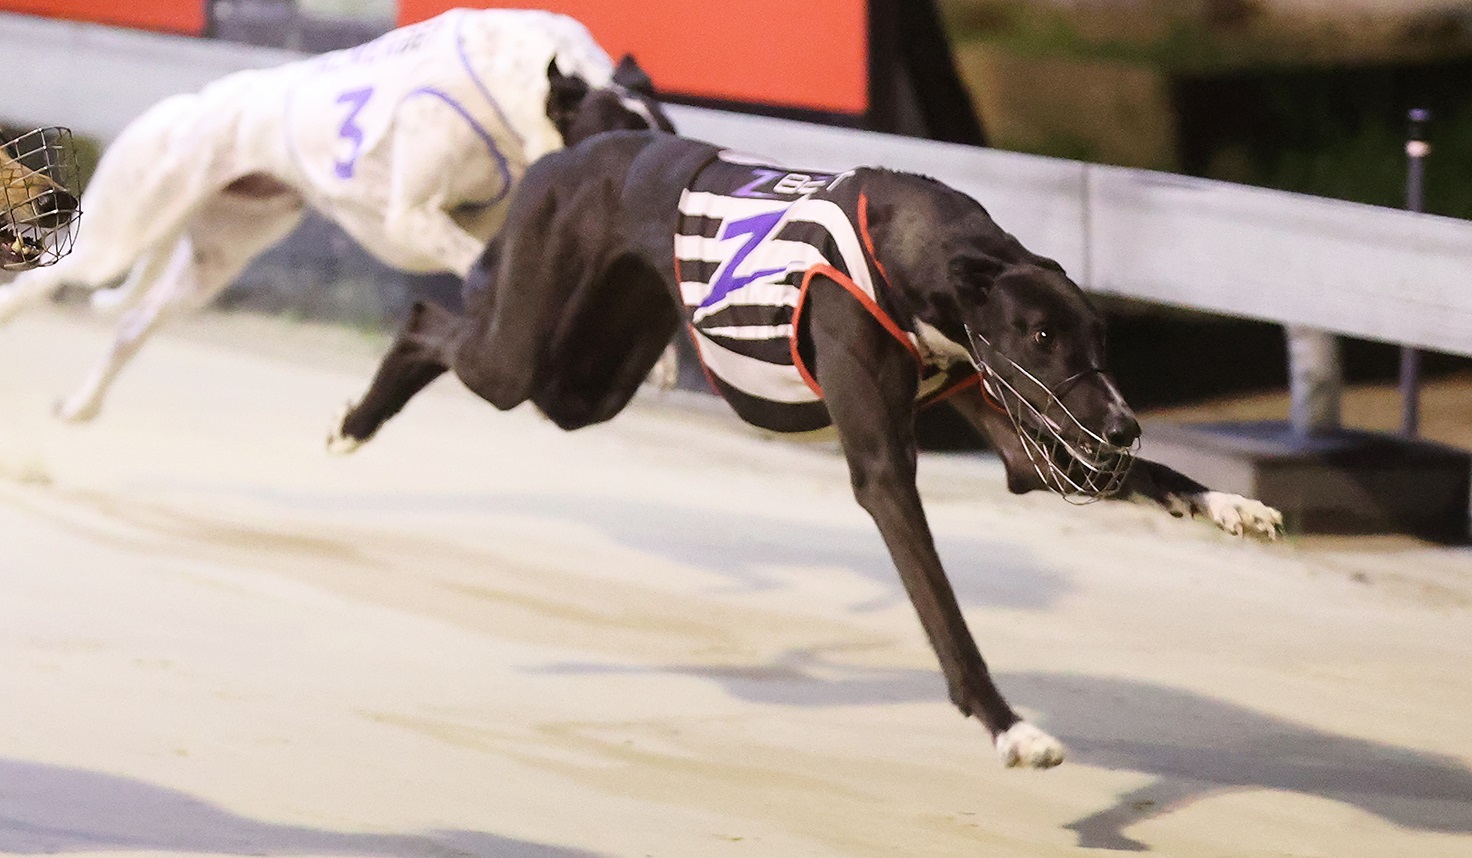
(982, 571)
(1194, 746)
(46, 809)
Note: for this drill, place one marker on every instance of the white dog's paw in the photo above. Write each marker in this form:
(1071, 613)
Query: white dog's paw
(75, 410)
(1023, 745)
(340, 443)
(1241, 516)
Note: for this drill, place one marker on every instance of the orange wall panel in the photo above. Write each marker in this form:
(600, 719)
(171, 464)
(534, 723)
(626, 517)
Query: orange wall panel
(794, 53)
(172, 16)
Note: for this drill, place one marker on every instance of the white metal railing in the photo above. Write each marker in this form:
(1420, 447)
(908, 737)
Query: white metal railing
(1359, 270)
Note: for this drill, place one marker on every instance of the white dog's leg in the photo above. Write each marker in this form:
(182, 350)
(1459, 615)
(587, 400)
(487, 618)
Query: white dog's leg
(89, 265)
(427, 136)
(29, 289)
(438, 236)
(159, 303)
(88, 269)
(143, 273)
(228, 233)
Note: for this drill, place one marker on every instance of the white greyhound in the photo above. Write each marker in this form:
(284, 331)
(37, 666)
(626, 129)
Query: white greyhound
(411, 143)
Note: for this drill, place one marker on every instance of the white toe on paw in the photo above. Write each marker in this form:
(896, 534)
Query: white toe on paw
(1026, 746)
(1242, 516)
(341, 445)
(338, 442)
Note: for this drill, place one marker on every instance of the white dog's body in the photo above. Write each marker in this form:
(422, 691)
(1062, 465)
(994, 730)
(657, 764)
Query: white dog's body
(411, 143)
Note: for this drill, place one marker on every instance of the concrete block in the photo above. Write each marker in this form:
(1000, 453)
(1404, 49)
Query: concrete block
(1340, 481)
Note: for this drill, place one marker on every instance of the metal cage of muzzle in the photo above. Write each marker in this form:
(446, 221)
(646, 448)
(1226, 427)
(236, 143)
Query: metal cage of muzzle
(1069, 457)
(39, 189)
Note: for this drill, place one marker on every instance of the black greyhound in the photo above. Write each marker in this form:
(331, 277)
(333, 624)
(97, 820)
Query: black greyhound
(894, 289)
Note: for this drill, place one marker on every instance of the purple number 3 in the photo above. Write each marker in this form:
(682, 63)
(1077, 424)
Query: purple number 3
(350, 130)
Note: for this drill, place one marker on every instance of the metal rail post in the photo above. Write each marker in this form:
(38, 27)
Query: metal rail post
(1410, 357)
(1315, 380)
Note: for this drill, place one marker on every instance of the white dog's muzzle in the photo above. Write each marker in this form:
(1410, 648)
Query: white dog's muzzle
(39, 190)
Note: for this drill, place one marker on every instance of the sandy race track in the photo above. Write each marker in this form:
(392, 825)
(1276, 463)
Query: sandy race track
(665, 636)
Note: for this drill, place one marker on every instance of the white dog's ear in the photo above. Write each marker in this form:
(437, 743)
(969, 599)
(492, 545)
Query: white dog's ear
(629, 75)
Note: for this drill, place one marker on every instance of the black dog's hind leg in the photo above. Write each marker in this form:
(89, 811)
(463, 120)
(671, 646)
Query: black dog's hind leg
(1147, 482)
(516, 296)
(612, 333)
(420, 353)
(869, 384)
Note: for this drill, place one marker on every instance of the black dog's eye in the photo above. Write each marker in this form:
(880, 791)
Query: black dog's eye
(1042, 337)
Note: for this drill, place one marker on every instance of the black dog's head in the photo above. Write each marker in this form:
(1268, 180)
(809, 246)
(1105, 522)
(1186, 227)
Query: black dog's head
(627, 104)
(1039, 344)
(1037, 339)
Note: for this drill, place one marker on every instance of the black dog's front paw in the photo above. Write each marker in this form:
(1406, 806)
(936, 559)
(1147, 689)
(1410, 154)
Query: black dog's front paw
(1025, 746)
(1242, 516)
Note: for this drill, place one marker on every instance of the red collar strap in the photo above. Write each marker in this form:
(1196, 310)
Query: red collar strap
(967, 379)
(884, 319)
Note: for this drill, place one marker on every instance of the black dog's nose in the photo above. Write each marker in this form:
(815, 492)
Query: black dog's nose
(1122, 429)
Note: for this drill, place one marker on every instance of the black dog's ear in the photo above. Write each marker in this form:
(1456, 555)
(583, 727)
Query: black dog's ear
(972, 276)
(564, 91)
(629, 75)
(565, 94)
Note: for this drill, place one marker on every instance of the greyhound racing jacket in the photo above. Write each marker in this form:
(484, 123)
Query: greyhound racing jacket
(479, 69)
(749, 240)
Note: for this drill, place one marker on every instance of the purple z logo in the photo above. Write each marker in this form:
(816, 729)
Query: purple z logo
(350, 130)
(757, 228)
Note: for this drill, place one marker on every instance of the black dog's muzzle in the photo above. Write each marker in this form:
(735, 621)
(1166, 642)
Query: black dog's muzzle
(1070, 458)
(38, 198)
